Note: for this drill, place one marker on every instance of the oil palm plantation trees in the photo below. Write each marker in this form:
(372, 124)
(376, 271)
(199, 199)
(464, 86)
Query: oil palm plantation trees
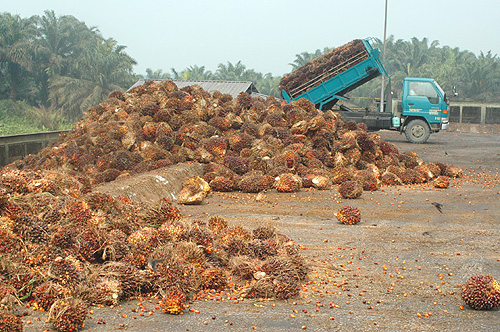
(16, 39)
(102, 67)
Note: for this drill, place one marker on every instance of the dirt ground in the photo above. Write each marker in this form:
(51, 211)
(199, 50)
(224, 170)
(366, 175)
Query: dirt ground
(400, 269)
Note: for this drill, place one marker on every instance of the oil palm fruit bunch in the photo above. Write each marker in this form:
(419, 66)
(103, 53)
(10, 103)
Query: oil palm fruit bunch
(481, 292)
(349, 215)
(350, 189)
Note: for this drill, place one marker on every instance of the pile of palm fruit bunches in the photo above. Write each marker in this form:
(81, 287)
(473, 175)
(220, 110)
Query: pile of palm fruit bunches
(65, 246)
(354, 51)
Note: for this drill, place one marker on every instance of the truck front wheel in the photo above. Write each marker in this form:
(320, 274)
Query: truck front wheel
(417, 131)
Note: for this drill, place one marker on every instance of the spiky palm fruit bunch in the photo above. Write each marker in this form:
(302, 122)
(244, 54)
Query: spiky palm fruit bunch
(172, 301)
(244, 101)
(202, 236)
(263, 249)
(10, 243)
(201, 155)
(441, 181)
(185, 251)
(348, 215)
(213, 278)
(251, 128)
(280, 265)
(340, 175)
(23, 282)
(390, 179)
(106, 176)
(217, 224)
(240, 141)
(243, 266)
(217, 146)
(305, 105)
(410, 159)
(68, 314)
(287, 182)
(350, 189)
(177, 274)
(220, 122)
(424, 171)
(221, 183)
(286, 287)
(102, 201)
(129, 276)
(412, 176)
(352, 156)
(236, 246)
(161, 212)
(254, 183)
(89, 244)
(264, 233)
(47, 293)
(107, 291)
(368, 179)
(453, 171)
(10, 322)
(78, 211)
(63, 237)
(68, 271)
(276, 119)
(236, 164)
(117, 94)
(144, 239)
(171, 232)
(321, 182)
(13, 181)
(307, 179)
(481, 292)
(125, 160)
(8, 208)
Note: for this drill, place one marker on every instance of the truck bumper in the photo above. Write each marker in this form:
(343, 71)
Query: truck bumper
(445, 125)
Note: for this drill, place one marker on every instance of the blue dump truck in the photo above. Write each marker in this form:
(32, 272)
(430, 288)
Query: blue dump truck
(425, 107)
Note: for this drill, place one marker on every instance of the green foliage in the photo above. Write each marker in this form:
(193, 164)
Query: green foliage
(57, 62)
(18, 117)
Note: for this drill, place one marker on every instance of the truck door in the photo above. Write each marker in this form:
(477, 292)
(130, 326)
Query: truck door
(422, 100)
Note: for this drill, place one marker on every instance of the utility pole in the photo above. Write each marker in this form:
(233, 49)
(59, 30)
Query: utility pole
(383, 58)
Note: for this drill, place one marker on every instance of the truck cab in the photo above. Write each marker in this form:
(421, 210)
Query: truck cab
(425, 109)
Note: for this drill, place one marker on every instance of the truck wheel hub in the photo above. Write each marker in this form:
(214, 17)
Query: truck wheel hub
(417, 131)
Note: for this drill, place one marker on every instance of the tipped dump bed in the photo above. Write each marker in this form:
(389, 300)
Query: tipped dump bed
(327, 78)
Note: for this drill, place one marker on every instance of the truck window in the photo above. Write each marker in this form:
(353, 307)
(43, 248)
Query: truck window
(424, 89)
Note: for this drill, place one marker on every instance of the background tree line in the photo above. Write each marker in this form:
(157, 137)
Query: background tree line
(54, 67)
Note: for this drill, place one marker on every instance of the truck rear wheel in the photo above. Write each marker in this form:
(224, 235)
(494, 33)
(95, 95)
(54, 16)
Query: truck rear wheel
(417, 131)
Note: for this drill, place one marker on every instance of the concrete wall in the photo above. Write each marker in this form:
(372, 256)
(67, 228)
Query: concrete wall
(16, 147)
(475, 112)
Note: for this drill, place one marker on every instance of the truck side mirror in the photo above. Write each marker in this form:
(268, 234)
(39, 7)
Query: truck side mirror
(454, 90)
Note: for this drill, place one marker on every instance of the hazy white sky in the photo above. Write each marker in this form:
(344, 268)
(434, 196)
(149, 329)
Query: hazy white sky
(267, 34)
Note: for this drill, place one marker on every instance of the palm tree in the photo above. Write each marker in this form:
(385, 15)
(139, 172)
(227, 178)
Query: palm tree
(16, 37)
(482, 77)
(156, 75)
(269, 85)
(411, 57)
(102, 68)
(196, 73)
(305, 57)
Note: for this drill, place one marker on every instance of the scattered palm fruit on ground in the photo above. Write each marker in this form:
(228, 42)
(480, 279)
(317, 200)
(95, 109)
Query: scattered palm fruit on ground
(481, 292)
